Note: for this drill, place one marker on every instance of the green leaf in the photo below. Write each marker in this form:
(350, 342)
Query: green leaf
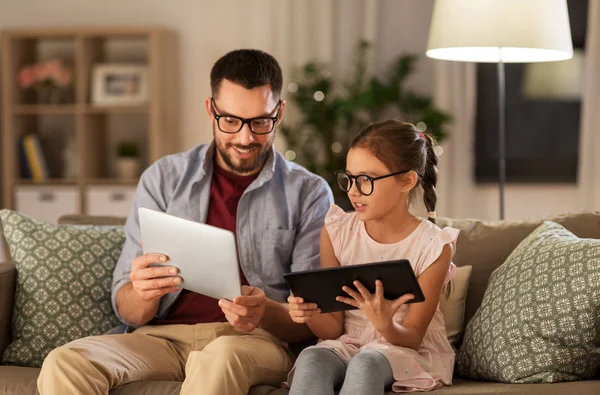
(351, 104)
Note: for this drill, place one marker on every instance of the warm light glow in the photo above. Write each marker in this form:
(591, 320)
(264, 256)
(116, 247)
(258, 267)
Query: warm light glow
(495, 54)
(290, 155)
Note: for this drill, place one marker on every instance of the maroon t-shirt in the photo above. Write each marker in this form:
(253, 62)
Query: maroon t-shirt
(225, 193)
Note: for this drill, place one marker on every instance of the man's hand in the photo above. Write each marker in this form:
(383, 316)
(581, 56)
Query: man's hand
(246, 311)
(152, 283)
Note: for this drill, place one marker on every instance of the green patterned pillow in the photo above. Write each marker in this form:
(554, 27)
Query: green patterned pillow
(539, 321)
(64, 275)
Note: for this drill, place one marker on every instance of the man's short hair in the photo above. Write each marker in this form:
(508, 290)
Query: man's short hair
(250, 68)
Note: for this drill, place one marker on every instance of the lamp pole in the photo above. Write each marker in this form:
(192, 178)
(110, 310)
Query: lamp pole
(501, 130)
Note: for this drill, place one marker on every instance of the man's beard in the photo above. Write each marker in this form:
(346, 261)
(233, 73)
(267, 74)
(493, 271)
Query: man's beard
(245, 166)
(248, 168)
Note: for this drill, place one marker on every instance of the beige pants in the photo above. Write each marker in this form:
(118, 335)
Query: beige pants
(210, 359)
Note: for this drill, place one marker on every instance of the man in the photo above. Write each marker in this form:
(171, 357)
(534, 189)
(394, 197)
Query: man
(239, 183)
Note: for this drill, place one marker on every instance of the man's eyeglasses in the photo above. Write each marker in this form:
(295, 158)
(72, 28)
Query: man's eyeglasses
(364, 183)
(232, 124)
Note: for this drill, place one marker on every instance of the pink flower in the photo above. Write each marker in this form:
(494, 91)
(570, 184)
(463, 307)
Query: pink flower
(41, 72)
(53, 67)
(53, 72)
(63, 78)
(26, 77)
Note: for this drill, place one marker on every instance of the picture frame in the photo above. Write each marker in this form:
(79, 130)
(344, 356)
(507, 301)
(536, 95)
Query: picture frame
(119, 85)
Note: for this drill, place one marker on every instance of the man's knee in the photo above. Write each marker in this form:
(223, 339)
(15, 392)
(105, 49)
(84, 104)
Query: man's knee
(59, 358)
(229, 350)
(59, 365)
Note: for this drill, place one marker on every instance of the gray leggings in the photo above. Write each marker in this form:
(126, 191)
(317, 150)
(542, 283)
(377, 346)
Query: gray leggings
(320, 371)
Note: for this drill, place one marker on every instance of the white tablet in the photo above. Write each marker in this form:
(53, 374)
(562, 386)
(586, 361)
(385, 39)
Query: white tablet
(205, 255)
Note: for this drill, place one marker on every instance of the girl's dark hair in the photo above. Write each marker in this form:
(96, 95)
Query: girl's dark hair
(249, 68)
(400, 146)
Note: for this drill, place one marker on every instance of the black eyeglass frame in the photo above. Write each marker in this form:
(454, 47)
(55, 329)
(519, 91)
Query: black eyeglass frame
(371, 179)
(245, 120)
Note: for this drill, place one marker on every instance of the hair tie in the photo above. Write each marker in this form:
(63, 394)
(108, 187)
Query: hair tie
(431, 214)
(421, 135)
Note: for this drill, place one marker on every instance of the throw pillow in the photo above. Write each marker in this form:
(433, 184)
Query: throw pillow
(540, 314)
(452, 303)
(64, 276)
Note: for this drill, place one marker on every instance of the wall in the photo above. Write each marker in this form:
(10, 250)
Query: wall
(208, 29)
(3, 249)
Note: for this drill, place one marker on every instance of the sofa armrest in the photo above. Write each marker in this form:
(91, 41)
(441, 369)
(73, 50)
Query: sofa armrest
(8, 274)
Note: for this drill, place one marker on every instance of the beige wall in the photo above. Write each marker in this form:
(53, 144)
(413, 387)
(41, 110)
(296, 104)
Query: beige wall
(3, 250)
(207, 29)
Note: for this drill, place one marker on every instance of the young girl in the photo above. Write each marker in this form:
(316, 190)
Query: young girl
(385, 343)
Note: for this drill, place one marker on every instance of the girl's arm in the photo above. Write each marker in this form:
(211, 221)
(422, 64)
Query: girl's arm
(410, 333)
(329, 325)
(325, 326)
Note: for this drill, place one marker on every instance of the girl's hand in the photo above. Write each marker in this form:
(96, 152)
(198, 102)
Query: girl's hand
(301, 312)
(378, 310)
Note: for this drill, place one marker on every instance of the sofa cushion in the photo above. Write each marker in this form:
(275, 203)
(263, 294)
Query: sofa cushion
(467, 387)
(22, 381)
(64, 275)
(80, 219)
(452, 303)
(540, 315)
(487, 244)
(16, 380)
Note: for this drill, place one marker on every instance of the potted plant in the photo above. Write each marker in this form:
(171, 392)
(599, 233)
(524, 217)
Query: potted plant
(331, 111)
(128, 160)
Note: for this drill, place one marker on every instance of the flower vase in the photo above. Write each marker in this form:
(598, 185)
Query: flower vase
(48, 94)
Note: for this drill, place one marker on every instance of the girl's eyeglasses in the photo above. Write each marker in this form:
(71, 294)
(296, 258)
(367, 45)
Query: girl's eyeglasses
(364, 183)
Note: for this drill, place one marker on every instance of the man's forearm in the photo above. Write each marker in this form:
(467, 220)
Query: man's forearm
(277, 321)
(133, 309)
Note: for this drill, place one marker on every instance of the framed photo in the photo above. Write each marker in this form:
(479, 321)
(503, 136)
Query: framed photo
(119, 85)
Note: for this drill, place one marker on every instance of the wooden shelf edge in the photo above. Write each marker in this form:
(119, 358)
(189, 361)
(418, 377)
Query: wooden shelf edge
(91, 109)
(85, 183)
(109, 181)
(72, 109)
(75, 31)
(44, 109)
(45, 183)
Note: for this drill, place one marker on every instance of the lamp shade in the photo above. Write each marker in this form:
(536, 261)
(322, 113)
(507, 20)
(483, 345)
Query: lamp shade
(510, 31)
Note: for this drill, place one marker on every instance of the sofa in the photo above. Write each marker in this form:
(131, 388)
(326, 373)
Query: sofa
(483, 245)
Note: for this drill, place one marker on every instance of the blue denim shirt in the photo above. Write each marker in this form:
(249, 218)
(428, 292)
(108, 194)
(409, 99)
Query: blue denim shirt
(279, 217)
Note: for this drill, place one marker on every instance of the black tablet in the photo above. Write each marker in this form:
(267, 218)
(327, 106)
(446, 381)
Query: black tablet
(322, 286)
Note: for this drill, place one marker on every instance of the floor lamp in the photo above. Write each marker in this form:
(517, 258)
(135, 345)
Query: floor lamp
(500, 31)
